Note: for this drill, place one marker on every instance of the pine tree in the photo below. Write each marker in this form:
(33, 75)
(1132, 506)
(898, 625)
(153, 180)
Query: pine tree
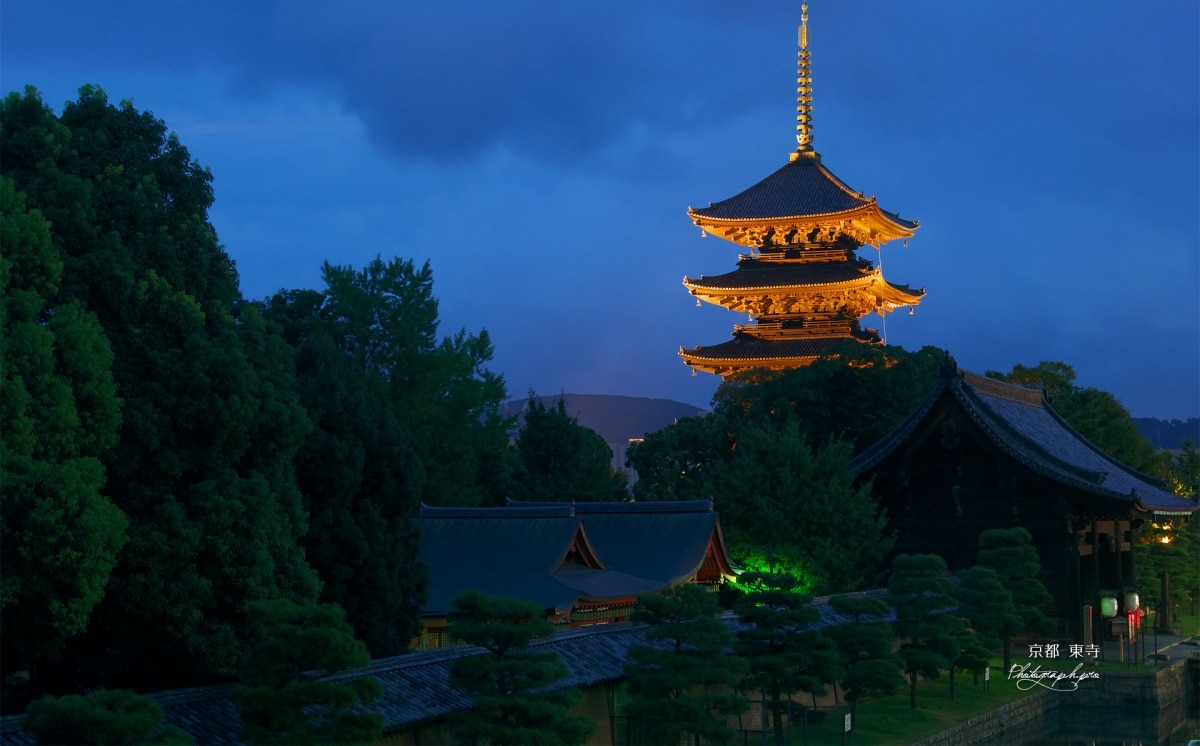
(865, 650)
(516, 700)
(921, 595)
(678, 682)
(1011, 554)
(783, 654)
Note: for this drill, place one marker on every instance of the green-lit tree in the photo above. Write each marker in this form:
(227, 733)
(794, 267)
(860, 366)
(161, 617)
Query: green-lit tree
(290, 693)
(107, 716)
(59, 531)
(679, 682)
(864, 646)
(202, 466)
(777, 491)
(783, 654)
(516, 700)
(1011, 554)
(559, 459)
(922, 596)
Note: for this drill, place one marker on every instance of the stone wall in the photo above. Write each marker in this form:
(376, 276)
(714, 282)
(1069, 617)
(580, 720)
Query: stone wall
(1137, 703)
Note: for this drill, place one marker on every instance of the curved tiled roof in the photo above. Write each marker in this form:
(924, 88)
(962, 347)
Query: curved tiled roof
(803, 187)
(764, 275)
(1022, 424)
(744, 347)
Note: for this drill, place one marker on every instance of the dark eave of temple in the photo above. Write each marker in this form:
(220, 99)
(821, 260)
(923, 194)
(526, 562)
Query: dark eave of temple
(1021, 424)
(747, 348)
(764, 275)
(803, 187)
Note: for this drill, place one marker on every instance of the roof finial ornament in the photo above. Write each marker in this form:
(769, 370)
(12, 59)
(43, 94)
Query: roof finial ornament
(804, 88)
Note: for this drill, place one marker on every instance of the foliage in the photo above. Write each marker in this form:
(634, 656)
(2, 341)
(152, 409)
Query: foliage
(1011, 554)
(974, 653)
(59, 533)
(677, 462)
(776, 491)
(1096, 414)
(853, 392)
(288, 696)
(920, 593)
(1182, 470)
(202, 467)
(870, 669)
(107, 716)
(783, 655)
(516, 701)
(1170, 551)
(559, 459)
(678, 681)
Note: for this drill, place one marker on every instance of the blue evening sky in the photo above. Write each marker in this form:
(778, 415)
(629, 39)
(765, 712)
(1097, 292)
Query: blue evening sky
(542, 156)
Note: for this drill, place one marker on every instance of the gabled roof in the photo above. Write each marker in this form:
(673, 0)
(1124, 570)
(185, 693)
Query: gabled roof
(666, 541)
(621, 550)
(1021, 423)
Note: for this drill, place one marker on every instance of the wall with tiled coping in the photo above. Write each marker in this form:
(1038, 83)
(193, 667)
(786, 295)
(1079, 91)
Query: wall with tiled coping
(1156, 697)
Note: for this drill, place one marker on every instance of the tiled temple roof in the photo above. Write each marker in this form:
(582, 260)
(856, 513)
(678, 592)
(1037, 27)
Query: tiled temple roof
(416, 687)
(518, 551)
(744, 347)
(1022, 424)
(763, 274)
(803, 187)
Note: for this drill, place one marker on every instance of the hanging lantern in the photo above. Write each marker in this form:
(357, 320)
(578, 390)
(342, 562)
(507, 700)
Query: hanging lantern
(1131, 601)
(1108, 606)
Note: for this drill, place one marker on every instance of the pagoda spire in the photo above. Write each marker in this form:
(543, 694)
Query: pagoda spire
(804, 88)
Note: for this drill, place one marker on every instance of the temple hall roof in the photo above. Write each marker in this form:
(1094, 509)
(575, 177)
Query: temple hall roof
(520, 551)
(1022, 424)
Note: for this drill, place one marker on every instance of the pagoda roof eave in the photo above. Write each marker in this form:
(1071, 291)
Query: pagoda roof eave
(868, 225)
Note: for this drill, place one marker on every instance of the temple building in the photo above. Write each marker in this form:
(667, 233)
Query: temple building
(582, 563)
(802, 283)
(981, 454)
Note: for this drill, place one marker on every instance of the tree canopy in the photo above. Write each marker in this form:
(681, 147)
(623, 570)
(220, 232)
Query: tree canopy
(201, 466)
(559, 459)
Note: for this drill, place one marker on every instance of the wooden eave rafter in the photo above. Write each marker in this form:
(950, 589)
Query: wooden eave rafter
(867, 224)
(869, 291)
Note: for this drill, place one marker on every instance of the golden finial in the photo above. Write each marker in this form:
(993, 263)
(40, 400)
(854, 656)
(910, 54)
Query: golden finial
(803, 88)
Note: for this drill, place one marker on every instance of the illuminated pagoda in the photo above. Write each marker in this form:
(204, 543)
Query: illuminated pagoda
(802, 283)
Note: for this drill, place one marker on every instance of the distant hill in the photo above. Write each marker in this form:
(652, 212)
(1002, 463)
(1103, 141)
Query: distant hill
(616, 418)
(1168, 433)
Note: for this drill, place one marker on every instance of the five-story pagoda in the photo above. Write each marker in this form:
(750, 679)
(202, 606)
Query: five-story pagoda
(802, 283)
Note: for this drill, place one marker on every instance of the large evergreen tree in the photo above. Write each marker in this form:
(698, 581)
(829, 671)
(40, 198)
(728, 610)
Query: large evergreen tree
(59, 531)
(870, 668)
(202, 467)
(559, 459)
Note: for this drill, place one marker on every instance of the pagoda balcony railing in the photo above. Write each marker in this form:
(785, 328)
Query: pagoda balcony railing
(796, 254)
(810, 329)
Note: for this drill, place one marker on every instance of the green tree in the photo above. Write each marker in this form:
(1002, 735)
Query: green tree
(921, 594)
(559, 459)
(59, 533)
(987, 605)
(679, 681)
(1096, 414)
(776, 491)
(516, 700)
(1182, 470)
(107, 716)
(678, 461)
(974, 653)
(853, 392)
(202, 467)
(1011, 554)
(865, 650)
(289, 692)
(783, 654)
